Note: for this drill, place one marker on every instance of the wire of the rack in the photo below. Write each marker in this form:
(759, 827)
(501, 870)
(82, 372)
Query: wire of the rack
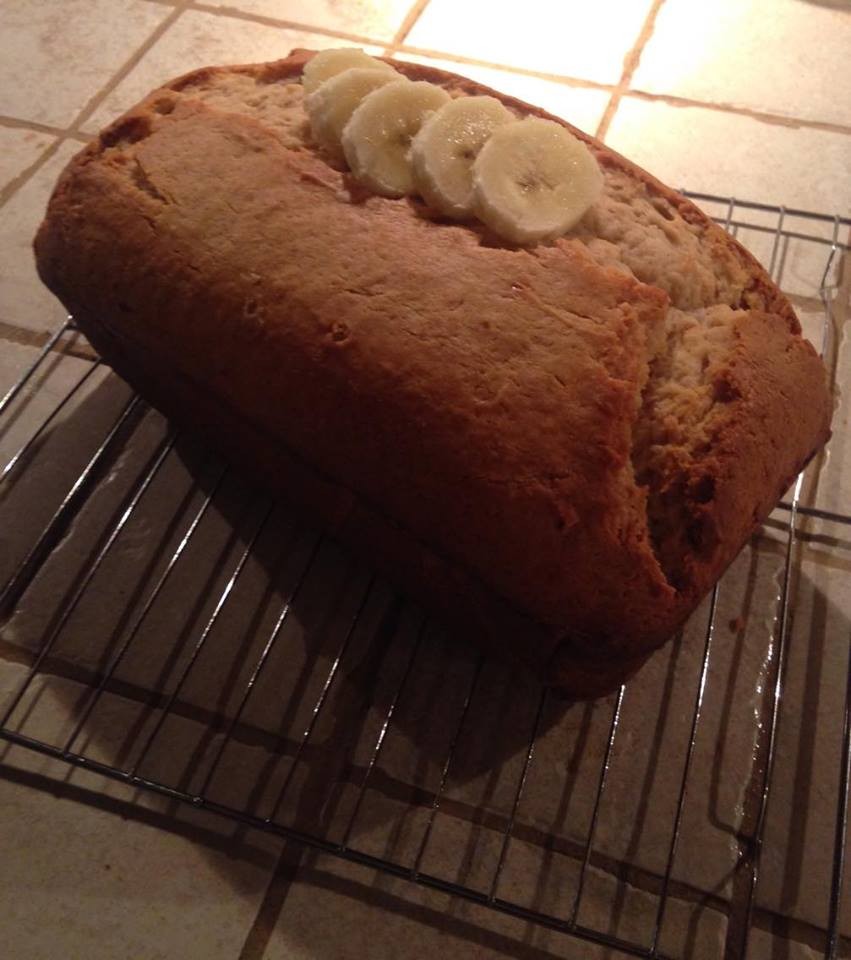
(382, 734)
(767, 207)
(322, 698)
(601, 785)
(692, 739)
(20, 454)
(73, 499)
(140, 617)
(779, 656)
(447, 764)
(521, 783)
(129, 507)
(328, 846)
(261, 662)
(202, 639)
(841, 827)
(71, 502)
(840, 834)
(756, 845)
(45, 352)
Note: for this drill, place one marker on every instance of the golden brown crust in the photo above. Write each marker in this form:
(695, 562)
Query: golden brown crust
(466, 409)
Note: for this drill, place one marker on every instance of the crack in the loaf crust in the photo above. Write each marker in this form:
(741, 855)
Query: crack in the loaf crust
(145, 184)
(638, 455)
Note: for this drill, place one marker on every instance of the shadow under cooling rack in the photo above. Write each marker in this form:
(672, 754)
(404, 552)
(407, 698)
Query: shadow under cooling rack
(165, 624)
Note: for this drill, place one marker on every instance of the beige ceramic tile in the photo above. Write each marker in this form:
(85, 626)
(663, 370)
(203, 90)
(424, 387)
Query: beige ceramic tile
(581, 106)
(834, 485)
(100, 878)
(19, 148)
(377, 916)
(788, 57)
(762, 945)
(798, 852)
(373, 19)
(58, 53)
(55, 376)
(558, 38)
(732, 155)
(201, 39)
(24, 300)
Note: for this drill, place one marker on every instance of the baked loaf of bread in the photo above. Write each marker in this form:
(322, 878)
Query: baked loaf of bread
(560, 448)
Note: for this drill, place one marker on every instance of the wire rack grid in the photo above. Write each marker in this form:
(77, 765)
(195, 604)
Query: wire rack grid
(175, 630)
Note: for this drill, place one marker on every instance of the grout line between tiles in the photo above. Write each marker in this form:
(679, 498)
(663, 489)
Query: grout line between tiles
(127, 67)
(461, 60)
(624, 871)
(132, 810)
(17, 182)
(232, 13)
(284, 875)
(411, 18)
(398, 46)
(73, 132)
(630, 64)
(16, 123)
(20, 336)
(795, 123)
(789, 928)
(61, 136)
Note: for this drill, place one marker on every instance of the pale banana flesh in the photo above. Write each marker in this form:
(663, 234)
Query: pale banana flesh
(332, 104)
(377, 138)
(444, 150)
(328, 63)
(533, 181)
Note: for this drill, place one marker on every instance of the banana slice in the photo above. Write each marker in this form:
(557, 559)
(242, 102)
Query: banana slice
(328, 63)
(377, 138)
(532, 181)
(331, 105)
(444, 150)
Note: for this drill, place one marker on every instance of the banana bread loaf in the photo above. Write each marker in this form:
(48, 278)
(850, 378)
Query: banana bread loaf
(560, 448)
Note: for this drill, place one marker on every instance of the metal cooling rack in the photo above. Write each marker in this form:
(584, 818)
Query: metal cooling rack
(301, 744)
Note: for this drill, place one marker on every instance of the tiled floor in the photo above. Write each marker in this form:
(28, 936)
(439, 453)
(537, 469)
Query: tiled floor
(750, 98)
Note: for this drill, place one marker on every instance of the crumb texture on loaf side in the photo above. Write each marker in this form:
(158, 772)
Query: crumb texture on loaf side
(654, 365)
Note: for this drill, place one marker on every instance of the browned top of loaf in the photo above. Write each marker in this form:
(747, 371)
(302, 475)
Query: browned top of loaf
(447, 379)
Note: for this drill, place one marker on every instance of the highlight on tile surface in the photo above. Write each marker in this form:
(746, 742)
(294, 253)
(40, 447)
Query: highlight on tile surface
(726, 154)
(588, 41)
(768, 55)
